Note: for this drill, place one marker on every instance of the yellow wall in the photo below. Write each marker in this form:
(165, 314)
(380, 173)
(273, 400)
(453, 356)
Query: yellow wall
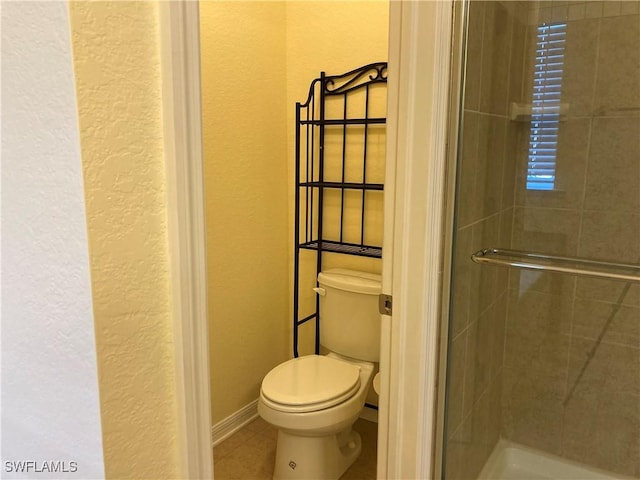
(116, 61)
(245, 151)
(334, 37)
(258, 59)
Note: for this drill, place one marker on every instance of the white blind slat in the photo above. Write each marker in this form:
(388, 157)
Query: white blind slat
(545, 118)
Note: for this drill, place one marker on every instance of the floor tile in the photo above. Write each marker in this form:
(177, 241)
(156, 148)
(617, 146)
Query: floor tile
(249, 454)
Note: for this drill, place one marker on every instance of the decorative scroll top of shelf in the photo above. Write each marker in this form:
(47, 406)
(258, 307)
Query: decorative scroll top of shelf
(347, 82)
(341, 84)
(348, 248)
(553, 263)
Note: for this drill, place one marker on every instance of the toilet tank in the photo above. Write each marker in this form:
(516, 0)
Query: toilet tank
(349, 317)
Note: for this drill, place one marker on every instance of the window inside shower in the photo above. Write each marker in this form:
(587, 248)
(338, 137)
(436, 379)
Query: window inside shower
(545, 106)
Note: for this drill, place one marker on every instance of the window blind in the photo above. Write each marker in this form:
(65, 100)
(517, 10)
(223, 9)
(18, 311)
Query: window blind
(545, 110)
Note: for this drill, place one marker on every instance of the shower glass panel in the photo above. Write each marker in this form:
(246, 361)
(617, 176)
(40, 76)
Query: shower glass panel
(543, 367)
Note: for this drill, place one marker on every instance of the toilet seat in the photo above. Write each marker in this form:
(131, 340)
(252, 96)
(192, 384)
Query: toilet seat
(310, 383)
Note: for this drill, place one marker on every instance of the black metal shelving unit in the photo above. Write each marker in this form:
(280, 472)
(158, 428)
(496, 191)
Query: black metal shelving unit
(311, 161)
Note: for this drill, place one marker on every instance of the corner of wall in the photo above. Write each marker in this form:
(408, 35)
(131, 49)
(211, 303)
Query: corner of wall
(117, 68)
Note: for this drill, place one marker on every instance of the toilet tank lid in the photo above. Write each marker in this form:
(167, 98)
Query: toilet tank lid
(351, 281)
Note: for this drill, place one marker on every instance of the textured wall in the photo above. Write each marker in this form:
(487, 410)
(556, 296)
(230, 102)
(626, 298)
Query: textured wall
(243, 93)
(116, 57)
(50, 404)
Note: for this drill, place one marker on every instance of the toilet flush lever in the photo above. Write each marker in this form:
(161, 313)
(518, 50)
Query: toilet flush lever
(320, 291)
(385, 304)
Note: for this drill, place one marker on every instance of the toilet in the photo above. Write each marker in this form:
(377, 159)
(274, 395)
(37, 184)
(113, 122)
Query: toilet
(314, 400)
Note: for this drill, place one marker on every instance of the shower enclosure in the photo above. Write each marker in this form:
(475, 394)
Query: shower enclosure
(543, 354)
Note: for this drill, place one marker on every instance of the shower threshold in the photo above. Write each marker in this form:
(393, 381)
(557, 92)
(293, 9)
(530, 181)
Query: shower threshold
(511, 461)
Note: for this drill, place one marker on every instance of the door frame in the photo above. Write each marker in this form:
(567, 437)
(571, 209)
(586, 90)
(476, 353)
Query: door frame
(420, 49)
(417, 134)
(182, 124)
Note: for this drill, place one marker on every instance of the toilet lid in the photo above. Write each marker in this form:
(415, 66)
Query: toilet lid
(310, 383)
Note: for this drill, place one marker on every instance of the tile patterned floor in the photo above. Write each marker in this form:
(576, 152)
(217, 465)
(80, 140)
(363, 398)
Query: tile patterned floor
(249, 454)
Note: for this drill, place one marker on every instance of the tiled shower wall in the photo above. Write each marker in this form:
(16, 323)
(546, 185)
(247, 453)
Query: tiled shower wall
(555, 398)
(520, 340)
(484, 215)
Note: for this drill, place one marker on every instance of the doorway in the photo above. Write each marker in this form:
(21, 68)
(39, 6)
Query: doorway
(419, 55)
(257, 60)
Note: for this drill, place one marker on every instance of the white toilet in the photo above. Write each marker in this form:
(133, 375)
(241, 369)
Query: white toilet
(314, 400)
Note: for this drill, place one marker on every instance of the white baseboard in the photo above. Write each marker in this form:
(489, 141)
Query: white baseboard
(370, 414)
(234, 422)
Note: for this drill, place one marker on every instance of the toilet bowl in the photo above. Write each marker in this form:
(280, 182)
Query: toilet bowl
(315, 400)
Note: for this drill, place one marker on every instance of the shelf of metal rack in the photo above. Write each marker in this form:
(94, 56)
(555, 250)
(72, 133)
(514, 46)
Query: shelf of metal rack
(346, 248)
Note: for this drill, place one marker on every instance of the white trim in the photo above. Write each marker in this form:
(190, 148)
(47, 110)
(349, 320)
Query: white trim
(369, 414)
(234, 422)
(423, 89)
(393, 79)
(180, 44)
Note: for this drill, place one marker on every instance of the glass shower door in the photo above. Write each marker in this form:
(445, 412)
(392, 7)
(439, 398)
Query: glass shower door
(543, 368)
